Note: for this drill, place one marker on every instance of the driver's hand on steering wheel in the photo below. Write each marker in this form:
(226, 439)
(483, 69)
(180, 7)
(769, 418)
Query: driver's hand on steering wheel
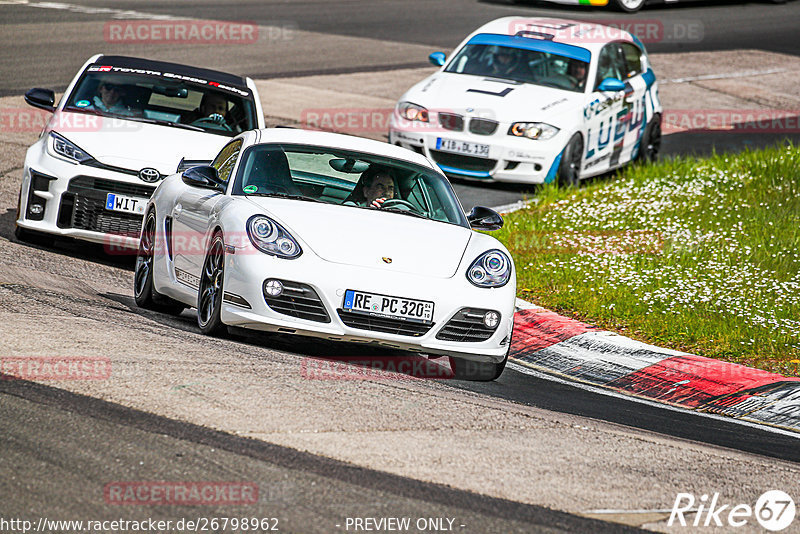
(378, 202)
(217, 118)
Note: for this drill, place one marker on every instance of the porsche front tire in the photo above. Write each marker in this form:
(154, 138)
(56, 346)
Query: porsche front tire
(143, 291)
(209, 295)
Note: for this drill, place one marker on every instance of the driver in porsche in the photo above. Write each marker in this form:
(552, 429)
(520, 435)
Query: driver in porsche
(375, 187)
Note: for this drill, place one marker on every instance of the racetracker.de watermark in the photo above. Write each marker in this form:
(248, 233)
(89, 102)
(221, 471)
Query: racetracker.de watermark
(199, 32)
(148, 493)
(606, 30)
(731, 120)
(55, 368)
(375, 368)
(24, 120)
(361, 121)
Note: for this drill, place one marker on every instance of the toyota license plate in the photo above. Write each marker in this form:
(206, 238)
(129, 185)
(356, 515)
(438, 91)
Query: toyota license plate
(385, 306)
(135, 205)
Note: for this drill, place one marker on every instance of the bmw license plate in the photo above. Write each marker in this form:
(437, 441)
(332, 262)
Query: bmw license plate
(462, 147)
(135, 205)
(420, 311)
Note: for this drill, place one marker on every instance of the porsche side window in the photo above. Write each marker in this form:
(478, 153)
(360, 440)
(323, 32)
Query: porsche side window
(633, 59)
(226, 159)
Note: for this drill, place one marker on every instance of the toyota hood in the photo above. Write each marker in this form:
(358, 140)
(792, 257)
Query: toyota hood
(371, 238)
(135, 145)
(492, 98)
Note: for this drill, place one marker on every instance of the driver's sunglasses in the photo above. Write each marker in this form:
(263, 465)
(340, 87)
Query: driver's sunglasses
(111, 87)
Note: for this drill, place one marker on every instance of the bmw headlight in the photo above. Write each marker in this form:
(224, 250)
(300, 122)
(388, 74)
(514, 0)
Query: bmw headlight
(62, 148)
(491, 269)
(271, 238)
(412, 112)
(533, 130)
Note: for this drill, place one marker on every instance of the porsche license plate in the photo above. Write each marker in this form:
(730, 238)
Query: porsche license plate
(386, 306)
(135, 205)
(462, 147)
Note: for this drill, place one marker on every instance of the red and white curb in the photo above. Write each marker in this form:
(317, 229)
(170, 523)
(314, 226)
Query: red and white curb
(578, 352)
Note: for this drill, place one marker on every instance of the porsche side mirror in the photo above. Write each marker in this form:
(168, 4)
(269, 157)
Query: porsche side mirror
(41, 98)
(481, 218)
(203, 176)
(437, 58)
(611, 84)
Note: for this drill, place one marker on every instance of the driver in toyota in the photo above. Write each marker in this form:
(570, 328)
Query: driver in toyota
(213, 107)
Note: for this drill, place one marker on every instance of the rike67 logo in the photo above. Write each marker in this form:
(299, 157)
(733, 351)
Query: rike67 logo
(774, 510)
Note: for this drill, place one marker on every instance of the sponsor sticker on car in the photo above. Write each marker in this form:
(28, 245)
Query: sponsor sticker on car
(386, 306)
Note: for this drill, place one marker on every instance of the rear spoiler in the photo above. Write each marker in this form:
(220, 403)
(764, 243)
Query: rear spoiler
(189, 163)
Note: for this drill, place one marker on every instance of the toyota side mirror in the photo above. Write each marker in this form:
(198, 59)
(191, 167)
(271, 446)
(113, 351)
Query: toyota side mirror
(203, 176)
(41, 98)
(481, 218)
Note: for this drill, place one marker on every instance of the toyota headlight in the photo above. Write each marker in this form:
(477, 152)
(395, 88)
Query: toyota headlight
(271, 238)
(62, 148)
(491, 269)
(533, 130)
(412, 112)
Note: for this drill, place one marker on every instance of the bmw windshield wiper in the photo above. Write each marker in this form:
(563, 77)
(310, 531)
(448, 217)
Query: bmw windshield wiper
(284, 195)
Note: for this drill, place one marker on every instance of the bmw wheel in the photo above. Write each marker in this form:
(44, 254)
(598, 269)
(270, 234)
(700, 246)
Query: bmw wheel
(569, 170)
(143, 291)
(209, 297)
(628, 6)
(650, 144)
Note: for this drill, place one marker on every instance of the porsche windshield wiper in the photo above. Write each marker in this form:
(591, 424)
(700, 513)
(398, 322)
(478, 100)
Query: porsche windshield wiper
(404, 212)
(284, 195)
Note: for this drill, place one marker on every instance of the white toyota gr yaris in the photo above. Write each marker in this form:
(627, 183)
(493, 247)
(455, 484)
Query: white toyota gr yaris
(332, 236)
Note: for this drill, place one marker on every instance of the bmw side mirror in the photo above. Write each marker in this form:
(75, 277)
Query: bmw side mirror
(203, 176)
(41, 98)
(611, 84)
(437, 58)
(481, 218)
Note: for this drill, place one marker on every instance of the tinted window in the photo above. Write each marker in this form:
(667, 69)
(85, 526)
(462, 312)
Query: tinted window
(633, 59)
(610, 64)
(226, 159)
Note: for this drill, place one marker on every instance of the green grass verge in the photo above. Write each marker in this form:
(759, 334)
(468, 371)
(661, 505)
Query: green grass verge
(699, 255)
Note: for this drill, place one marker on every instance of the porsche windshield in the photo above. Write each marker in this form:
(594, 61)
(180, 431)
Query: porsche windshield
(521, 65)
(352, 179)
(169, 102)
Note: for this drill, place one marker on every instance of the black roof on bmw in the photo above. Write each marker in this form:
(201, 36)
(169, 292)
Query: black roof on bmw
(174, 68)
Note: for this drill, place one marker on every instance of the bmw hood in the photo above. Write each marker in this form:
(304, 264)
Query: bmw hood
(135, 145)
(492, 98)
(371, 238)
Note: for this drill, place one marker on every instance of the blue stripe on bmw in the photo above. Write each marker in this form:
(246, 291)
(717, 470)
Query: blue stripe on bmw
(526, 43)
(462, 172)
(649, 78)
(551, 174)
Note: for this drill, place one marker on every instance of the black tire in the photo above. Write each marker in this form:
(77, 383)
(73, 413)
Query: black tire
(650, 145)
(569, 170)
(143, 291)
(627, 6)
(23, 235)
(209, 294)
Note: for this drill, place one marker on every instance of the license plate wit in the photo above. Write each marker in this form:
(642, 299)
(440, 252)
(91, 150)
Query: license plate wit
(135, 205)
(386, 306)
(462, 147)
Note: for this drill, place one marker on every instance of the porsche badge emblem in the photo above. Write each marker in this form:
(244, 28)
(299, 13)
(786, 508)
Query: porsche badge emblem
(386, 260)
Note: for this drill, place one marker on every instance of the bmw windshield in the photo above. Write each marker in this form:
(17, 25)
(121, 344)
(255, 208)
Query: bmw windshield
(169, 102)
(524, 61)
(347, 178)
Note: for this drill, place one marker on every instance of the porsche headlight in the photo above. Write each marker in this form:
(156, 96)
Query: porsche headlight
(62, 148)
(271, 238)
(412, 112)
(491, 269)
(533, 130)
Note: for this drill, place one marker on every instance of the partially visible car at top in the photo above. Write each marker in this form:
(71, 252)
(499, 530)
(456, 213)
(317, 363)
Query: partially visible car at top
(280, 234)
(628, 6)
(122, 126)
(533, 101)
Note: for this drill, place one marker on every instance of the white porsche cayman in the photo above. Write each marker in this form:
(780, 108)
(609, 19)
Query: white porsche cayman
(333, 236)
(533, 101)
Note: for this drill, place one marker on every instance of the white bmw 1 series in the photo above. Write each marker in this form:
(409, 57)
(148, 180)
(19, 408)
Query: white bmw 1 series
(534, 101)
(123, 125)
(332, 236)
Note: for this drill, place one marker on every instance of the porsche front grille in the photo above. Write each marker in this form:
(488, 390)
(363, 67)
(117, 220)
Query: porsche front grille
(465, 326)
(299, 300)
(382, 324)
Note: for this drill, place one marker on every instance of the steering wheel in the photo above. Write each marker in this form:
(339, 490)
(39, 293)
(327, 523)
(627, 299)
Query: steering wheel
(212, 121)
(398, 202)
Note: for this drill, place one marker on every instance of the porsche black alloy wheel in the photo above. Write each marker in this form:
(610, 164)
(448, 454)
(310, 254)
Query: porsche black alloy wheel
(209, 297)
